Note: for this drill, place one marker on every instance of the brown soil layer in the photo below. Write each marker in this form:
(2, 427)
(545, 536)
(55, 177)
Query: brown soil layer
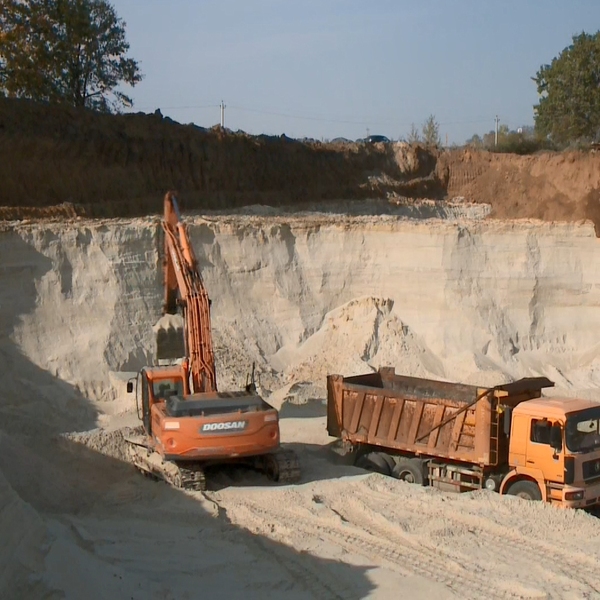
(547, 186)
(61, 162)
(68, 162)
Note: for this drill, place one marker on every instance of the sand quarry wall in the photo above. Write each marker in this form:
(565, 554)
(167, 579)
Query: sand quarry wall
(478, 301)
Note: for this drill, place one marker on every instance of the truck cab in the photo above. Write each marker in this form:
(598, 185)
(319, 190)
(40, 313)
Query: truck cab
(555, 442)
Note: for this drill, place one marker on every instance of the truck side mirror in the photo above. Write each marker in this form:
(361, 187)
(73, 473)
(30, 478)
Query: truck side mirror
(507, 420)
(129, 387)
(556, 437)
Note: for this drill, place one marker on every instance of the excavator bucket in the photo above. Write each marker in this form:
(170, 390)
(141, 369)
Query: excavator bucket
(170, 341)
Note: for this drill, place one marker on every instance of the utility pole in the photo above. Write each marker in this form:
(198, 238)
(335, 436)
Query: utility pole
(497, 120)
(222, 114)
(367, 132)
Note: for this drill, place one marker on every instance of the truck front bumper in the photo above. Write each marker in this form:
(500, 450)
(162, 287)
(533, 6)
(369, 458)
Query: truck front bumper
(581, 497)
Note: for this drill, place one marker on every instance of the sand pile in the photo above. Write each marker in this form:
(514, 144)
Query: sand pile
(110, 443)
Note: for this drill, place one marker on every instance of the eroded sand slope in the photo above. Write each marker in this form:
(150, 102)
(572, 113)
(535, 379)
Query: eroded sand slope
(478, 301)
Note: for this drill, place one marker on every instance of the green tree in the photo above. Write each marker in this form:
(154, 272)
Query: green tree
(569, 89)
(71, 51)
(431, 132)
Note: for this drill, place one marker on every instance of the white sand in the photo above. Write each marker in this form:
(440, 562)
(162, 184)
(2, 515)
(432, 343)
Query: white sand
(472, 301)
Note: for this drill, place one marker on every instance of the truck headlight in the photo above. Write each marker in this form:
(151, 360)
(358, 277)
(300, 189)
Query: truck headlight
(574, 495)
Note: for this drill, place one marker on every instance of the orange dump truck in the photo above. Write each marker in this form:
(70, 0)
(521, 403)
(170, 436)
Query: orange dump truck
(459, 437)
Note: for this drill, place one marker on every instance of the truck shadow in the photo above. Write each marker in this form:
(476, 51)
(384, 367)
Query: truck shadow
(97, 518)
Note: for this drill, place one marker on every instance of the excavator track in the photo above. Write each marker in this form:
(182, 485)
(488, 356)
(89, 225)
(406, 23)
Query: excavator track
(192, 478)
(282, 466)
(185, 476)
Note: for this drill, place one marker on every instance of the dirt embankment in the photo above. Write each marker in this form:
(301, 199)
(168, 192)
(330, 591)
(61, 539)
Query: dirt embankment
(65, 162)
(548, 186)
(60, 161)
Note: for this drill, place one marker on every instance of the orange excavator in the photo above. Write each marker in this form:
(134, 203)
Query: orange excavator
(188, 424)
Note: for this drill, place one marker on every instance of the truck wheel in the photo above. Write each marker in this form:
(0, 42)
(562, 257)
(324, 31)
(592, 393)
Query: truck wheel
(410, 470)
(378, 462)
(528, 490)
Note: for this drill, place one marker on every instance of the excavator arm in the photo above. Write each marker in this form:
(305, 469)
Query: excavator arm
(184, 288)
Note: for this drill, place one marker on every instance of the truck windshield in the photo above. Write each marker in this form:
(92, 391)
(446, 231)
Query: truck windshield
(582, 432)
(167, 387)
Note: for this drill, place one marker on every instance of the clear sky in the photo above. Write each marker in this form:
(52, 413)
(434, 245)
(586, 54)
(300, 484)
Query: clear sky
(329, 68)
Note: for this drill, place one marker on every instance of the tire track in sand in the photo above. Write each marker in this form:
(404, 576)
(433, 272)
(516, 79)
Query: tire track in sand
(567, 577)
(572, 564)
(405, 560)
(316, 580)
(321, 585)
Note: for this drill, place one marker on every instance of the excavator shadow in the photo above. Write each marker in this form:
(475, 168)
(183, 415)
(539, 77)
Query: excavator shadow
(310, 409)
(318, 463)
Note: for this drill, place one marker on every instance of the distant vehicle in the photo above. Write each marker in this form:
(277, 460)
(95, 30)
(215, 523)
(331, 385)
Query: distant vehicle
(341, 140)
(374, 139)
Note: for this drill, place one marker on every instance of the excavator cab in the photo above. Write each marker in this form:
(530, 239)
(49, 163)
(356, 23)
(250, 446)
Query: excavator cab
(164, 388)
(154, 385)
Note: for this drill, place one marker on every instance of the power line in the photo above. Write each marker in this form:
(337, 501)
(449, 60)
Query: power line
(301, 117)
(352, 121)
(179, 107)
(349, 121)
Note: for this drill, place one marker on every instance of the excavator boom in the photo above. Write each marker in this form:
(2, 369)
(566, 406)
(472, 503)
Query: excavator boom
(188, 335)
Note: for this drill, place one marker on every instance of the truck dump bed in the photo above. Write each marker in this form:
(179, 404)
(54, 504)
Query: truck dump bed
(425, 417)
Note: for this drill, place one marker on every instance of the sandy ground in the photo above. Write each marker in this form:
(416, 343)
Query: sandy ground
(340, 533)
